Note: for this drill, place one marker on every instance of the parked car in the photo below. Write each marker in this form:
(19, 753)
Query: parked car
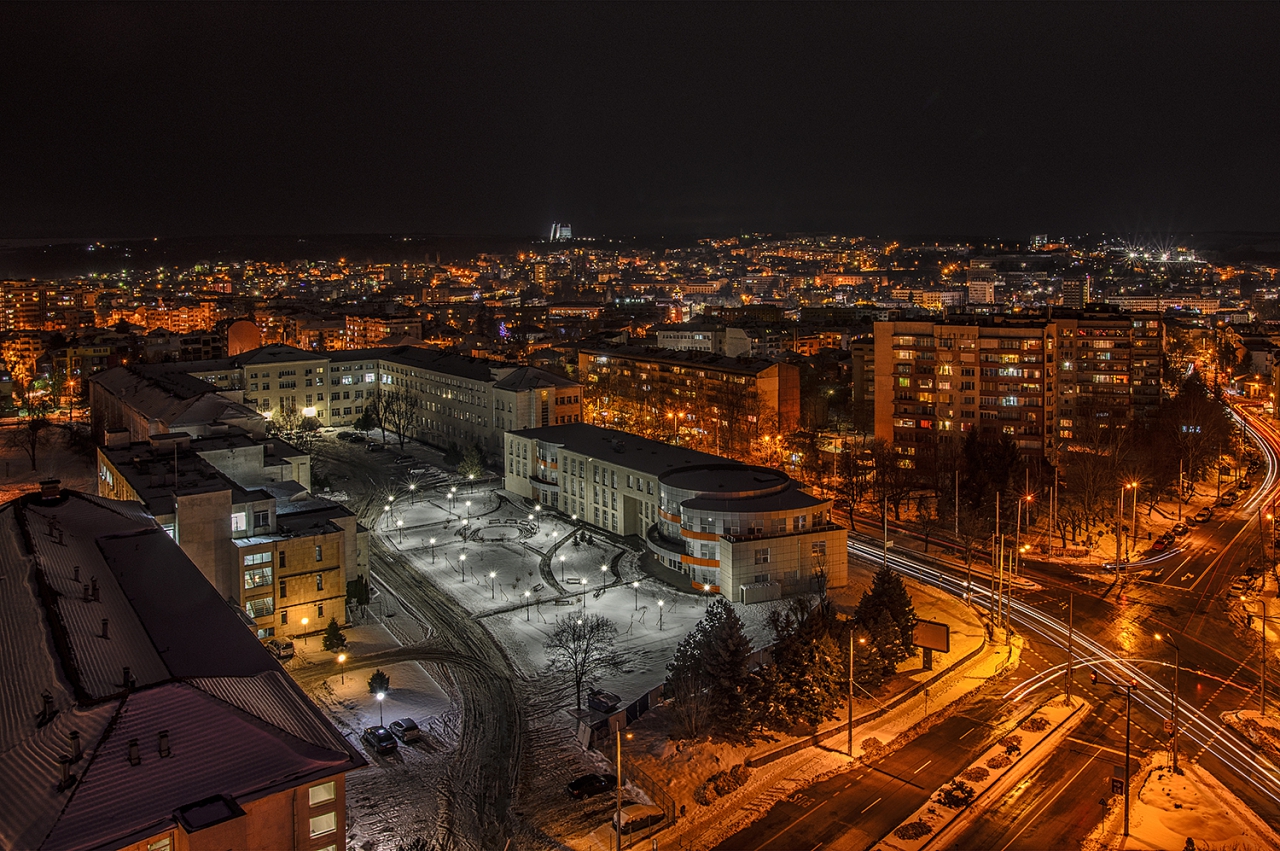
(346, 435)
(280, 648)
(603, 701)
(1159, 545)
(637, 817)
(380, 739)
(406, 730)
(1180, 529)
(1245, 484)
(375, 447)
(1227, 499)
(1203, 515)
(405, 459)
(416, 471)
(591, 784)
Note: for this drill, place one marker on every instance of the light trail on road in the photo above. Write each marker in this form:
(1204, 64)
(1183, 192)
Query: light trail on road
(1211, 734)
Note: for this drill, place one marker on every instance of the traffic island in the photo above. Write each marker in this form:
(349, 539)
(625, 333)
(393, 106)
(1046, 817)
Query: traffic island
(1171, 808)
(952, 807)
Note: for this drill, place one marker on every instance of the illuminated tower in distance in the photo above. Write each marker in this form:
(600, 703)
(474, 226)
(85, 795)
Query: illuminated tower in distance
(561, 233)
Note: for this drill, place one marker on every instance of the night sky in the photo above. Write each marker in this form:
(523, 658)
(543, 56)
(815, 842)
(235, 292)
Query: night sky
(198, 120)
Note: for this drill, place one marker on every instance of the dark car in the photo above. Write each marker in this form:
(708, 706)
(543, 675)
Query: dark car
(375, 447)
(406, 730)
(1159, 546)
(1227, 499)
(1245, 484)
(1180, 529)
(405, 459)
(380, 739)
(1203, 515)
(637, 817)
(591, 784)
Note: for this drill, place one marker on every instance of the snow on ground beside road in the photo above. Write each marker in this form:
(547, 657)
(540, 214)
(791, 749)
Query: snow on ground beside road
(413, 693)
(1169, 808)
(370, 638)
(53, 461)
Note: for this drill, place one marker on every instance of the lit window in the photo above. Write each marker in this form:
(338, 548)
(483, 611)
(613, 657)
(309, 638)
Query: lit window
(322, 794)
(238, 521)
(320, 825)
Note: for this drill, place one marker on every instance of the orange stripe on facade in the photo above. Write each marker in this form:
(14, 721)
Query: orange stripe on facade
(699, 562)
(699, 536)
(674, 518)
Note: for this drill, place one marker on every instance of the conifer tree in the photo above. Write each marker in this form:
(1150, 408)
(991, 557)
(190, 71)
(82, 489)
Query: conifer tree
(333, 640)
(725, 665)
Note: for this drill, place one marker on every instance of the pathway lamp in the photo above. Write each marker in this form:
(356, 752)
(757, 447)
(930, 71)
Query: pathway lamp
(493, 585)
(661, 603)
(1177, 666)
(305, 621)
(380, 697)
(400, 526)
(526, 605)
(413, 500)
(433, 550)
(635, 587)
(561, 570)
(342, 666)
(618, 768)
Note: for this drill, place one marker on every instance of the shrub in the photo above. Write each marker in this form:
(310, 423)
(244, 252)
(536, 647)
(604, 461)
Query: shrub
(380, 681)
(872, 748)
(1000, 760)
(956, 794)
(1011, 742)
(975, 774)
(721, 783)
(914, 829)
(1035, 725)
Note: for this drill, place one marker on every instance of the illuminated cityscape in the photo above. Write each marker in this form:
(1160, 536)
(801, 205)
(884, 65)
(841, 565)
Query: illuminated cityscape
(877, 461)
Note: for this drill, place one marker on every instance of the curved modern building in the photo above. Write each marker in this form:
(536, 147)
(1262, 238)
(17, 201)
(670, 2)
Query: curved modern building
(709, 523)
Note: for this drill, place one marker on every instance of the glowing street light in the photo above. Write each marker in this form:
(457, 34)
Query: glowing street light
(412, 495)
(493, 585)
(305, 621)
(342, 666)
(561, 570)
(1177, 664)
(661, 603)
(381, 695)
(433, 550)
(635, 587)
(604, 569)
(400, 526)
(526, 605)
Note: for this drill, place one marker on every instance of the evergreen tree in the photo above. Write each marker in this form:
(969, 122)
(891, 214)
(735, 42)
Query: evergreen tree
(887, 641)
(868, 664)
(379, 682)
(687, 683)
(724, 656)
(333, 639)
(891, 593)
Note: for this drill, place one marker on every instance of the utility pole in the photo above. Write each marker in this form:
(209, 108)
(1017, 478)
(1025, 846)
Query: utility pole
(1071, 628)
(957, 505)
(1128, 703)
(1119, 514)
(886, 531)
(851, 693)
(996, 545)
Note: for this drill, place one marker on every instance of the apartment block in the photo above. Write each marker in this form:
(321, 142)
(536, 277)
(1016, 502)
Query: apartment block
(139, 713)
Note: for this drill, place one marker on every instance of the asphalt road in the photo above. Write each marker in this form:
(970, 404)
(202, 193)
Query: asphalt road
(856, 808)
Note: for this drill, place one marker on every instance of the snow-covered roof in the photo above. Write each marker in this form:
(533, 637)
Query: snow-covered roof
(173, 657)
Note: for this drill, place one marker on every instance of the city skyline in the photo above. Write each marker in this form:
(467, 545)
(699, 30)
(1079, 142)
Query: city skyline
(143, 121)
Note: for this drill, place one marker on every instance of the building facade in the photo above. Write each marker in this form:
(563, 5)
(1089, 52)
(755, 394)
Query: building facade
(749, 533)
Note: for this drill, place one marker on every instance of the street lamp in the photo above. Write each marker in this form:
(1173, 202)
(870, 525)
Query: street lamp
(400, 526)
(462, 565)
(1177, 666)
(471, 477)
(661, 603)
(412, 495)
(433, 550)
(380, 695)
(635, 586)
(526, 605)
(861, 640)
(468, 511)
(493, 585)
(305, 621)
(618, 785)
(604, 569)
(342, 666)
(1262, 686)
(561, 570)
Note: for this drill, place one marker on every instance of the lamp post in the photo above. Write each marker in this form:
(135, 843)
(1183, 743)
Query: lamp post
(1017, 533)
(433, 550)
(471, 478)
(526, 605)
(1133, 528)
(561, 570)
(342, 666)
(462, 566)
(493, 585)
(453, 501)
(635, 587)
(604, 570)
(661, 603)
(1262, 686)
(468, 511)
(400, 527)
(1177, 666)
(381, 695)
(413, 497)
(305, 621)
(860, 641)
(618, 785)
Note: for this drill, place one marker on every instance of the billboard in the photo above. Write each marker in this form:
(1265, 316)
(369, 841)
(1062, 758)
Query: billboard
(933, 635)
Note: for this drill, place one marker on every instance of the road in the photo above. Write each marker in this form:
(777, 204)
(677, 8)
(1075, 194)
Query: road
(859, 806)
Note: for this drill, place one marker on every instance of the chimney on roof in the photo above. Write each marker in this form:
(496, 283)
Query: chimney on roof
(93, 584)
(127, 680)
(49, 489)
(87, 598)
(135, 758)
(164, 743)
(104, 628)
(75, 573)
(67, 779)
(46, 708)
(76, 752)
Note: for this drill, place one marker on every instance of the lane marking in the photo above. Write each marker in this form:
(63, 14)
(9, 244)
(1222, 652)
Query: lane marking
(1098, 746)
(918, 770)
(1047, 804)
(967, 732)
(870, 805)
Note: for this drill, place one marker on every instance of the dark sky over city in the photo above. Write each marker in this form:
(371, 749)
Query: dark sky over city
(203, 119)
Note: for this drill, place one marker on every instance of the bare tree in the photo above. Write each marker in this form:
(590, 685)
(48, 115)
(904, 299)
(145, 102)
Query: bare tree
(581, 647)
(34, 408)
(397, 411)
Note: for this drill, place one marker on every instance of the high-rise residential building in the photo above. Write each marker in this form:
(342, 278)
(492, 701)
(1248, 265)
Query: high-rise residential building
(709, 524)
(561, 232)
(1036, 381)
(981, 283)
(1076, 293)
(141, 714)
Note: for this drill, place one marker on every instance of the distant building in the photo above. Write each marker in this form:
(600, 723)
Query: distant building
(561, 232)
(141, 715)
(981, 283)
(749, 533)
(1076, 292)
(147, 400)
